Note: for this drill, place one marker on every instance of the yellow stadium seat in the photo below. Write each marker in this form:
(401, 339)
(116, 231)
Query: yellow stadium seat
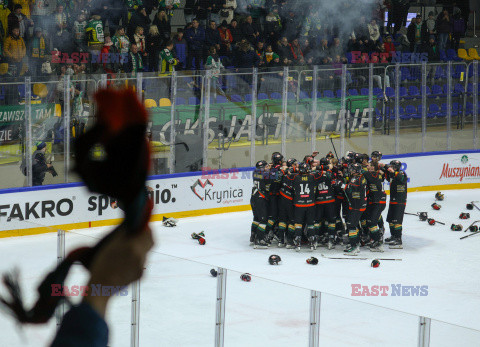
(3, 68)
(472, 53)
(462, 53)
(150, 103)
(40, 90)
(164, 102)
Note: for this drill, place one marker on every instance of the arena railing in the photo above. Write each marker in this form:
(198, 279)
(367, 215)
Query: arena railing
(204, 120)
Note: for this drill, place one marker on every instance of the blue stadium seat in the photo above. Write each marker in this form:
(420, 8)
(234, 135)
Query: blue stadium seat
(452, 55)
(378, 92)
(303, 95)
(440, 73)
(458, 89)
(221, 99)
(319, 94)
(354, 92)
(364, 91)
(21, 91)
(413, 91)
(418, 114)
(411, 111)
(236, 98)
(433, 111)
(180, 101)
(262, 96)
(248, 97)
(328, 94)
(275, 95)
(193, 100)
(443, 55)
(436, 90)
(390, 92)
(338, 93)
(403, 92)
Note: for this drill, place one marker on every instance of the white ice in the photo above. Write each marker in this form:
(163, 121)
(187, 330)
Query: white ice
(178, 294)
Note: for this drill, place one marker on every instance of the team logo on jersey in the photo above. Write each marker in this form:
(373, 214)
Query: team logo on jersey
(201, 184)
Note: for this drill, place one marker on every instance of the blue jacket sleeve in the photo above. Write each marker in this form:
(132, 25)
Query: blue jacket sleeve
(82, 326)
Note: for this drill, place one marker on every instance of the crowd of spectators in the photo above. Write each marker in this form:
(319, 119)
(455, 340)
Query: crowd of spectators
(244, 33)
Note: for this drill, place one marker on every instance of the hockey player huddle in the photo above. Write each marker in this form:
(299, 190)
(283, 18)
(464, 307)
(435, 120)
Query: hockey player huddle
(327, 202)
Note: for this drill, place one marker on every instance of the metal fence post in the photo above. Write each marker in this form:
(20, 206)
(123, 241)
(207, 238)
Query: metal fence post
(315, 304)
(424, 331)
(206, 116)
(66, 124)
(475, 104)
(397, 107)
(135, 329)
(253, 123)
(28, 129)
(135, 309)
(60, 310)
(449, 106)
(103, 80)
(424, 104)
(173, 130)
(220, 311)
(314, 109)
(284, 111)
(343, 109)
(370, 108)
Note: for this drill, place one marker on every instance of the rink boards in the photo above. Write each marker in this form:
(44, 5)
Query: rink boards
(35, 210)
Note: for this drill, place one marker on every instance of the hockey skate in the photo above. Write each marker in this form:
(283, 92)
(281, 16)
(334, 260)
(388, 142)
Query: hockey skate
(352, 250)
(312, 240)
(252, 239)
(396, 244)
(297, 241)
(331, 242)
(278, 241)
(323, 241)
(260, 244)
(376, 246)
(389, 240)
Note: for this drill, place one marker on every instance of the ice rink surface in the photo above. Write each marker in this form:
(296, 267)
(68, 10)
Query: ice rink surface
(178, 293)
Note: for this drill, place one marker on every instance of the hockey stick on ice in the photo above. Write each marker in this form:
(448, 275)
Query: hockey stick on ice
(475, 233)
(355, 258)
(473, 203)
(471, 225)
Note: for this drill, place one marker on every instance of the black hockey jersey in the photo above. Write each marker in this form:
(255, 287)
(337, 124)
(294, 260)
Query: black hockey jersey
(286, 189)
(325, 193)
(398, 187)
(375, 191)
(261, 183)
(356, 193)
(304, 190)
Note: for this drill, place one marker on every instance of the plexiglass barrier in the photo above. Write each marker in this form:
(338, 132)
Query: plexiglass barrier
(179, 302)
(234, 118)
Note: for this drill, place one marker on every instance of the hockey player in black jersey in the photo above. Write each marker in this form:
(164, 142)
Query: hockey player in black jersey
(304, 202)
(286, 223)
(325, 202)
(355, 192)
(259, 203)
(274, 190)
(376, 156)
(376, 200)
(398, 200)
